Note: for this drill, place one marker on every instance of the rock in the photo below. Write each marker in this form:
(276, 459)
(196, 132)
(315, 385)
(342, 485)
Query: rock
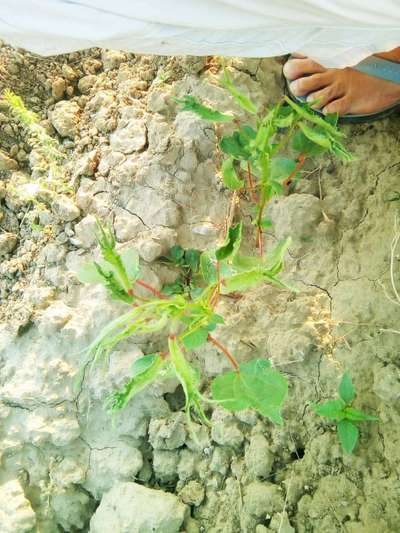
(165, 465)
(131, 137)
(65, 118)
(68, 72)
(258, 457)
(262, 499)
(6, 163)
(72, 507)
(8, 243)
(121, 462)
(150, 250)
(226, 432)
(112, 59)
(16, 514)
(86, 83)
(387, 384)
(52, 253)
(68, 472)
(127, 226)
(65, 208)
(167, 433)
(85, 231)
(86, 165)
(118, 511)
(192, 493)
(58, 88)
(54, 318)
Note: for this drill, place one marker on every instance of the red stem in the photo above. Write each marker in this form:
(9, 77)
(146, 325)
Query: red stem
(300, 163)
(225, 351)
(151, 289)
(251, 184)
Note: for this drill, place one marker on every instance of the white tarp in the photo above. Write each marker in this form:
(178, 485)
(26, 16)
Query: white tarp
(334, 32)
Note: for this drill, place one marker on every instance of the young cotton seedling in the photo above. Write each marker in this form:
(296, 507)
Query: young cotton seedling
(255, 157)
(188, 320)
(345, 416)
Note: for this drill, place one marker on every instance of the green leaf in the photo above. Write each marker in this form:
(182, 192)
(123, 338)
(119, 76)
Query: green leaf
(332, 409)
(195, 339)
(348, 435)
(241, 99)
(256, 385)
(303, 145)
(346, 389)
(358, 416)
(227, 390)
(248, 262)
(281, 168)
(229, 175)
(316, 136)
(235, 145)
(306, 112)
(340, 151)
(176, 254)
(207, 267)
(285, 117)
(231, 244)
(242, 281)
(192, 260)
(190, 103)
(88, 273)
(130, 261)
(144, 371)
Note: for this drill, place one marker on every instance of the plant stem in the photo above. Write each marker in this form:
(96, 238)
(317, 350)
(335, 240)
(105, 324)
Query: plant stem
(251, 183)
(151, 289)
(225, 351)
(300, 163)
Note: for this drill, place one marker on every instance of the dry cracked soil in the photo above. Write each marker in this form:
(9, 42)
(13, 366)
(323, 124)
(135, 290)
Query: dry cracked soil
(132, 157)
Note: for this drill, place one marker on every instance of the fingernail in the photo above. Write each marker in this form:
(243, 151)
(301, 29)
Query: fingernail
(293, 86)
(325, 111)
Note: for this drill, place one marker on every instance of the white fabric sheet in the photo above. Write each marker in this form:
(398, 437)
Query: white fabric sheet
(334, 32)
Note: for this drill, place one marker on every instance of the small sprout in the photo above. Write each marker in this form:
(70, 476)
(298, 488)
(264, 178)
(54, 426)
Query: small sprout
(345, 416)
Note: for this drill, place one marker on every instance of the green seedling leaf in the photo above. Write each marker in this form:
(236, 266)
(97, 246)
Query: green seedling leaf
(229, 175)
(189, 379)
(190, 103)
(333, 409)
(235, 145)
(227, 390)
(192, 260)
(346, 389)
(255, 385)
(144, 371)
(306, 112)
(348, 435)
(207, 267)
(340, 151)
(285, 117)
(88, 273)
(317, 136)
(195, 339)
(332, 118)
(176, 254)
(358, 416)
(130, 261)
(231, 244)
(303, 145)
(266, 223)
(240, 98)
(281, 168)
